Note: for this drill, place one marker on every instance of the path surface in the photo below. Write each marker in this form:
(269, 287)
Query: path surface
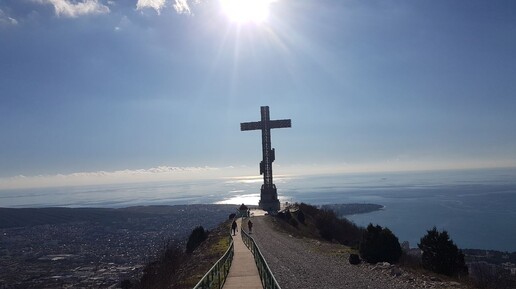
(243, 272)
(308, 263)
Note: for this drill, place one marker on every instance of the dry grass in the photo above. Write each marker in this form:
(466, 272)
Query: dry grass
(205, 256)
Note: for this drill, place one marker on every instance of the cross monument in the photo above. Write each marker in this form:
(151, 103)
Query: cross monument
(268, 195)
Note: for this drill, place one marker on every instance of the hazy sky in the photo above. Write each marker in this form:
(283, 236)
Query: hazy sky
(118, 87)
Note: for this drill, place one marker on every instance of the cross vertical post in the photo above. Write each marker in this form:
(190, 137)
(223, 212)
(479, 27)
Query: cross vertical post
(268, 195)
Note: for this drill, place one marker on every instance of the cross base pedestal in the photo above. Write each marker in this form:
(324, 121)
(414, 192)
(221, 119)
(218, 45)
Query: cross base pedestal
(269, 199)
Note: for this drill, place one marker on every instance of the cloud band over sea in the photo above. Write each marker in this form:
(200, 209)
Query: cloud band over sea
(159, 173)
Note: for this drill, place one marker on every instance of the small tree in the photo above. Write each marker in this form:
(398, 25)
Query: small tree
(197, 236)
(325, 223)
(441, 255)
(379, 245)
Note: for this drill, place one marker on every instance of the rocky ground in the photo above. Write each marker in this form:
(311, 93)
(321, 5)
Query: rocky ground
(309, 263)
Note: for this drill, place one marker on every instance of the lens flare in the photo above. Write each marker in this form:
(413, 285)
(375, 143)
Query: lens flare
(244, 11)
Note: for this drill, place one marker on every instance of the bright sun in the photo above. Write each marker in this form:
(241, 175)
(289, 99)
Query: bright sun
(243, 11)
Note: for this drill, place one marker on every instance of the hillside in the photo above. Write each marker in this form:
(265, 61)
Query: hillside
(173, 268)
(308, 262)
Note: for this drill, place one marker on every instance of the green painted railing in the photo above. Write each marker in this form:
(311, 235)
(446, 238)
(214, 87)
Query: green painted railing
(216, 276)
(268, 280)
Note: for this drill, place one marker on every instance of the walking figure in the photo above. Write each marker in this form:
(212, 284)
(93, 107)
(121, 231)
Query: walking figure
(250, 226)
(234, 227)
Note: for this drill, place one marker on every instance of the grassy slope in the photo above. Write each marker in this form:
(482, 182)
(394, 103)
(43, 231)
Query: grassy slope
(205, 256)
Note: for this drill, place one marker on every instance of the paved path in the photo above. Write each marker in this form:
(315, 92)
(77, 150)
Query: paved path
(243, 272)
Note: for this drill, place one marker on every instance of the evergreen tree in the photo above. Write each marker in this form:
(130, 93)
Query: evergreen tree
(197, 236)
(441, 255)
(379, 245)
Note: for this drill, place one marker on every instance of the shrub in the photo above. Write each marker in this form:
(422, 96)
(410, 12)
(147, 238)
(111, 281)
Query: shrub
(308, 209)
(441, 255)
(301, 217)
(379, 245)
(197, 236)
(293, 222)
(347, 233)
(354, 259)
(329, 226)
(325, 223)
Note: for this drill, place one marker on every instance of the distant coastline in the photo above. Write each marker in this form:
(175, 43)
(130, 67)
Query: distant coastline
(11, 218)
(23, 217)
(472, 205)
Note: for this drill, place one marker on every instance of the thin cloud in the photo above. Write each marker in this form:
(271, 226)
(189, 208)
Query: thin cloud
(154, 4)
(182, 7)
(6, 19)
(137, 172)
(160, 173)
(67, 8)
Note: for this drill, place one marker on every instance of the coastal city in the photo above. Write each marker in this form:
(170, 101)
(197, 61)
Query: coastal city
(96, 254)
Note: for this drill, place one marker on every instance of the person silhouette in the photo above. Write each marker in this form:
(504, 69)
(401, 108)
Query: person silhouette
(234, 227)
(250, 226)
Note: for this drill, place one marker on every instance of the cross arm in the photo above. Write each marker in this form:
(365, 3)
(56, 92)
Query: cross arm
(250, 125)
(280, 123)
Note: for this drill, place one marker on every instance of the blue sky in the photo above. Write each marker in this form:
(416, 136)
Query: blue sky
(93, 86)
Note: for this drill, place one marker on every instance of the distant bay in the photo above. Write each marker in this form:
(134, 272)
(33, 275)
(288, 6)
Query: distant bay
(477, 207)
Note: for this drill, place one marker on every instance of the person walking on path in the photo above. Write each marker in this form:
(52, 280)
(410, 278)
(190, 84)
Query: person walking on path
(234, 227)
(250, 226)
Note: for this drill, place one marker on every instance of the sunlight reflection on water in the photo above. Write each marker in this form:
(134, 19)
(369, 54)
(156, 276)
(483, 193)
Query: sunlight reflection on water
(248, 199)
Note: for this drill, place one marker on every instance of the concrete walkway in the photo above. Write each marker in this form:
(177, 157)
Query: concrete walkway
(243, 273)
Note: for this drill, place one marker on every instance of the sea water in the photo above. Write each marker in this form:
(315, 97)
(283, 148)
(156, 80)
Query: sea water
(476, 207)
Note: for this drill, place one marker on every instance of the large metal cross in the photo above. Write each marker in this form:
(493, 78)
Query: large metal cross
(269, 195)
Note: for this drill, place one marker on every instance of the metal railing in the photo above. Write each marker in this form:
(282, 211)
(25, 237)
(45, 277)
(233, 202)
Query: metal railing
(216, 276)
(268, 280)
